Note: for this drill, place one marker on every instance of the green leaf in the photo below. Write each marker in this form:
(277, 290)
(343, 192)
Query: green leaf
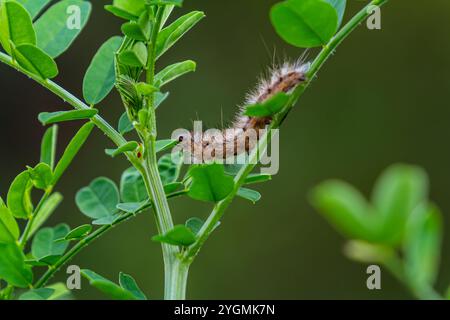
(60, 291)
(194, 224)
(19, 196)
(45, 211)
(126, 9)
(100, 75)
(128, 283)
(257, 178)
(60, 25)
(61, 116)
(180, 235)
(422, 246)
(9, 230)
(160, 98)
(41, 176)
(132, 207)
(15, 25)
(164, 145)
(169, 167)
(36, 61)
(210, 183)
(34, 7)
(108, 220)
(45, 244)
(172, 187)
(138, 30)
(37, 294)
(125, 124)
(137, 57)
(127, 147)
(106, 286)
(48, 146)
(173, 72)
(249, 194)
(304, 23)
(269, 107)
(79, 232)
(99, 199)
(132, 186)
(12, 266)
(72, 149)
(346, 209)
(365, 252)
(174, 32)
(339, 5)
(177, 3)
(397, 192)
(146, 89)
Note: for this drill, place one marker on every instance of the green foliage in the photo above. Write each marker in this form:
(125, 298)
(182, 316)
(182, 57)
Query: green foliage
(305, 23)
(16, 27)
(34, 60)
(72, 149)
(37, 294)
(9, 229)
(12, 266)
(100, 76)
(79, 232)
(54, 31)
(128, 289)
(48, 146)
(41, 176)
(249, 194)
(125, 124)
(169, 167)
(269, 107)
(19, 196)
(209, 183)
(34, 7)
(173, 72)
(99, 199)
(340, 6)
(400, 228)
(180, 235)
(44, 244)
(174, 32)
(45, 211)
(127, 147)
(135, 57)
(132, 186)
(47, 118)
(194, 224)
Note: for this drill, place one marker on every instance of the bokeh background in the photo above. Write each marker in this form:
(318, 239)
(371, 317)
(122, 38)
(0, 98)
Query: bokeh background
(382, 98)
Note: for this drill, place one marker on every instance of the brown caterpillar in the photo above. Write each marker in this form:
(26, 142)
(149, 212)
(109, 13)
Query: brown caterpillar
(243, 136)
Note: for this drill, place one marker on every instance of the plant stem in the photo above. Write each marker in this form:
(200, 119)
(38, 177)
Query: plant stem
(150, 171)
(26, 233)
(177, 290)
(324, 55)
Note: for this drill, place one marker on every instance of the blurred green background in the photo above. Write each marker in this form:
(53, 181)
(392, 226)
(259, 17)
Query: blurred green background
(381, 99)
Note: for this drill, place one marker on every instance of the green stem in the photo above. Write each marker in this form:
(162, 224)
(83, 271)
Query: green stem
(323, 56)
(89, 239)
(423, 292)
(177, 290)
(26, 233)
(150, 172)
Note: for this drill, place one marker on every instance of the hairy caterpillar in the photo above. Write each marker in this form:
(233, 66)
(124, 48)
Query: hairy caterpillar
(245, 131)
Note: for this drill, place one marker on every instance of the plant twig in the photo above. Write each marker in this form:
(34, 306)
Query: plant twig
(324, 55)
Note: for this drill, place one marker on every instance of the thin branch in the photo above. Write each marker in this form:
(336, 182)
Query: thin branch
(324, 55)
